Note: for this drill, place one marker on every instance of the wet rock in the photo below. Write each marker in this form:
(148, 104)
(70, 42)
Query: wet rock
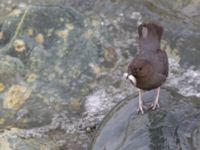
(174, 126)
(73, 56)
(54, 56)
(11, 140)
(46, 57)
(110, 57)
(10, 68)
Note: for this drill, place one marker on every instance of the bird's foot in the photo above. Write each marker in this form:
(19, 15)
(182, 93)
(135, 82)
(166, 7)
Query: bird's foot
(154, 106)
(141, 109)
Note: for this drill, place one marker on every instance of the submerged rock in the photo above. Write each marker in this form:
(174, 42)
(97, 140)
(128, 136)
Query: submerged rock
(174, 126)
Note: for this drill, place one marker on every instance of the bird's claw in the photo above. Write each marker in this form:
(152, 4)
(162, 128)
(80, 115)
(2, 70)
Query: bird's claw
(154, 106)
(141, 109)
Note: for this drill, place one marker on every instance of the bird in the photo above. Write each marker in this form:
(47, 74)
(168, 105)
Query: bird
(149, 68)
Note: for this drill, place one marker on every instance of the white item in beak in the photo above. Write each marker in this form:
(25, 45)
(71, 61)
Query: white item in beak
(132, 78)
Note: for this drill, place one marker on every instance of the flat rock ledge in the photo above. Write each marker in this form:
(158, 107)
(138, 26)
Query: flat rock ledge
(176, 125)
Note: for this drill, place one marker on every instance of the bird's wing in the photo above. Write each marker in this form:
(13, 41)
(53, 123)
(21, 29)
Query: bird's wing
(162, 55)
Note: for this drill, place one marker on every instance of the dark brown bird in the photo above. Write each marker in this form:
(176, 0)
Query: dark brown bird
(149, 69)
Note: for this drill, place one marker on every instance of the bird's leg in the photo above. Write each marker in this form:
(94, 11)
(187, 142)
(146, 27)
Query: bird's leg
(141, 106)
(156, 102)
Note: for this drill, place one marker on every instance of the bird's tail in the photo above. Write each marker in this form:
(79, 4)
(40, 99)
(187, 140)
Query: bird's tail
(150, 30)
(149, 37)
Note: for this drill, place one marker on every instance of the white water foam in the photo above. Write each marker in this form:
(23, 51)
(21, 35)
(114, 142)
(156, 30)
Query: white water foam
(186, 81)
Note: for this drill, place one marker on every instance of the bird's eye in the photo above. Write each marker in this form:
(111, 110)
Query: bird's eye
(140, 68)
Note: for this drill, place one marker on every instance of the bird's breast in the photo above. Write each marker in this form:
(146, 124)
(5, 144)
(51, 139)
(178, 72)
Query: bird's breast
(146, 83)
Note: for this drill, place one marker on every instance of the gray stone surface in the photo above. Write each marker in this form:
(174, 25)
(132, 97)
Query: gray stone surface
(60, 68)
(174, 126)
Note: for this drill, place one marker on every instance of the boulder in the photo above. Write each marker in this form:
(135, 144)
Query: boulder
(173, 126)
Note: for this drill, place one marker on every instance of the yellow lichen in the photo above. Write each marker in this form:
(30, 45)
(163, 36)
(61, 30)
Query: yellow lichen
(63, 34)
(19, 45)
(4, 143)
(88, 34)
(30, 31)
(110, 55)
(39, 38)
(2, 121)
(75, 103)
(2, 87)
(31, 77)
(69, 26)
(24, 120)
(16, 97)
(96, 69)
(15, 12)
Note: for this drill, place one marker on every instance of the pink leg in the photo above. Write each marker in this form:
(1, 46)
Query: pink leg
(140, 109)
(156, 102)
